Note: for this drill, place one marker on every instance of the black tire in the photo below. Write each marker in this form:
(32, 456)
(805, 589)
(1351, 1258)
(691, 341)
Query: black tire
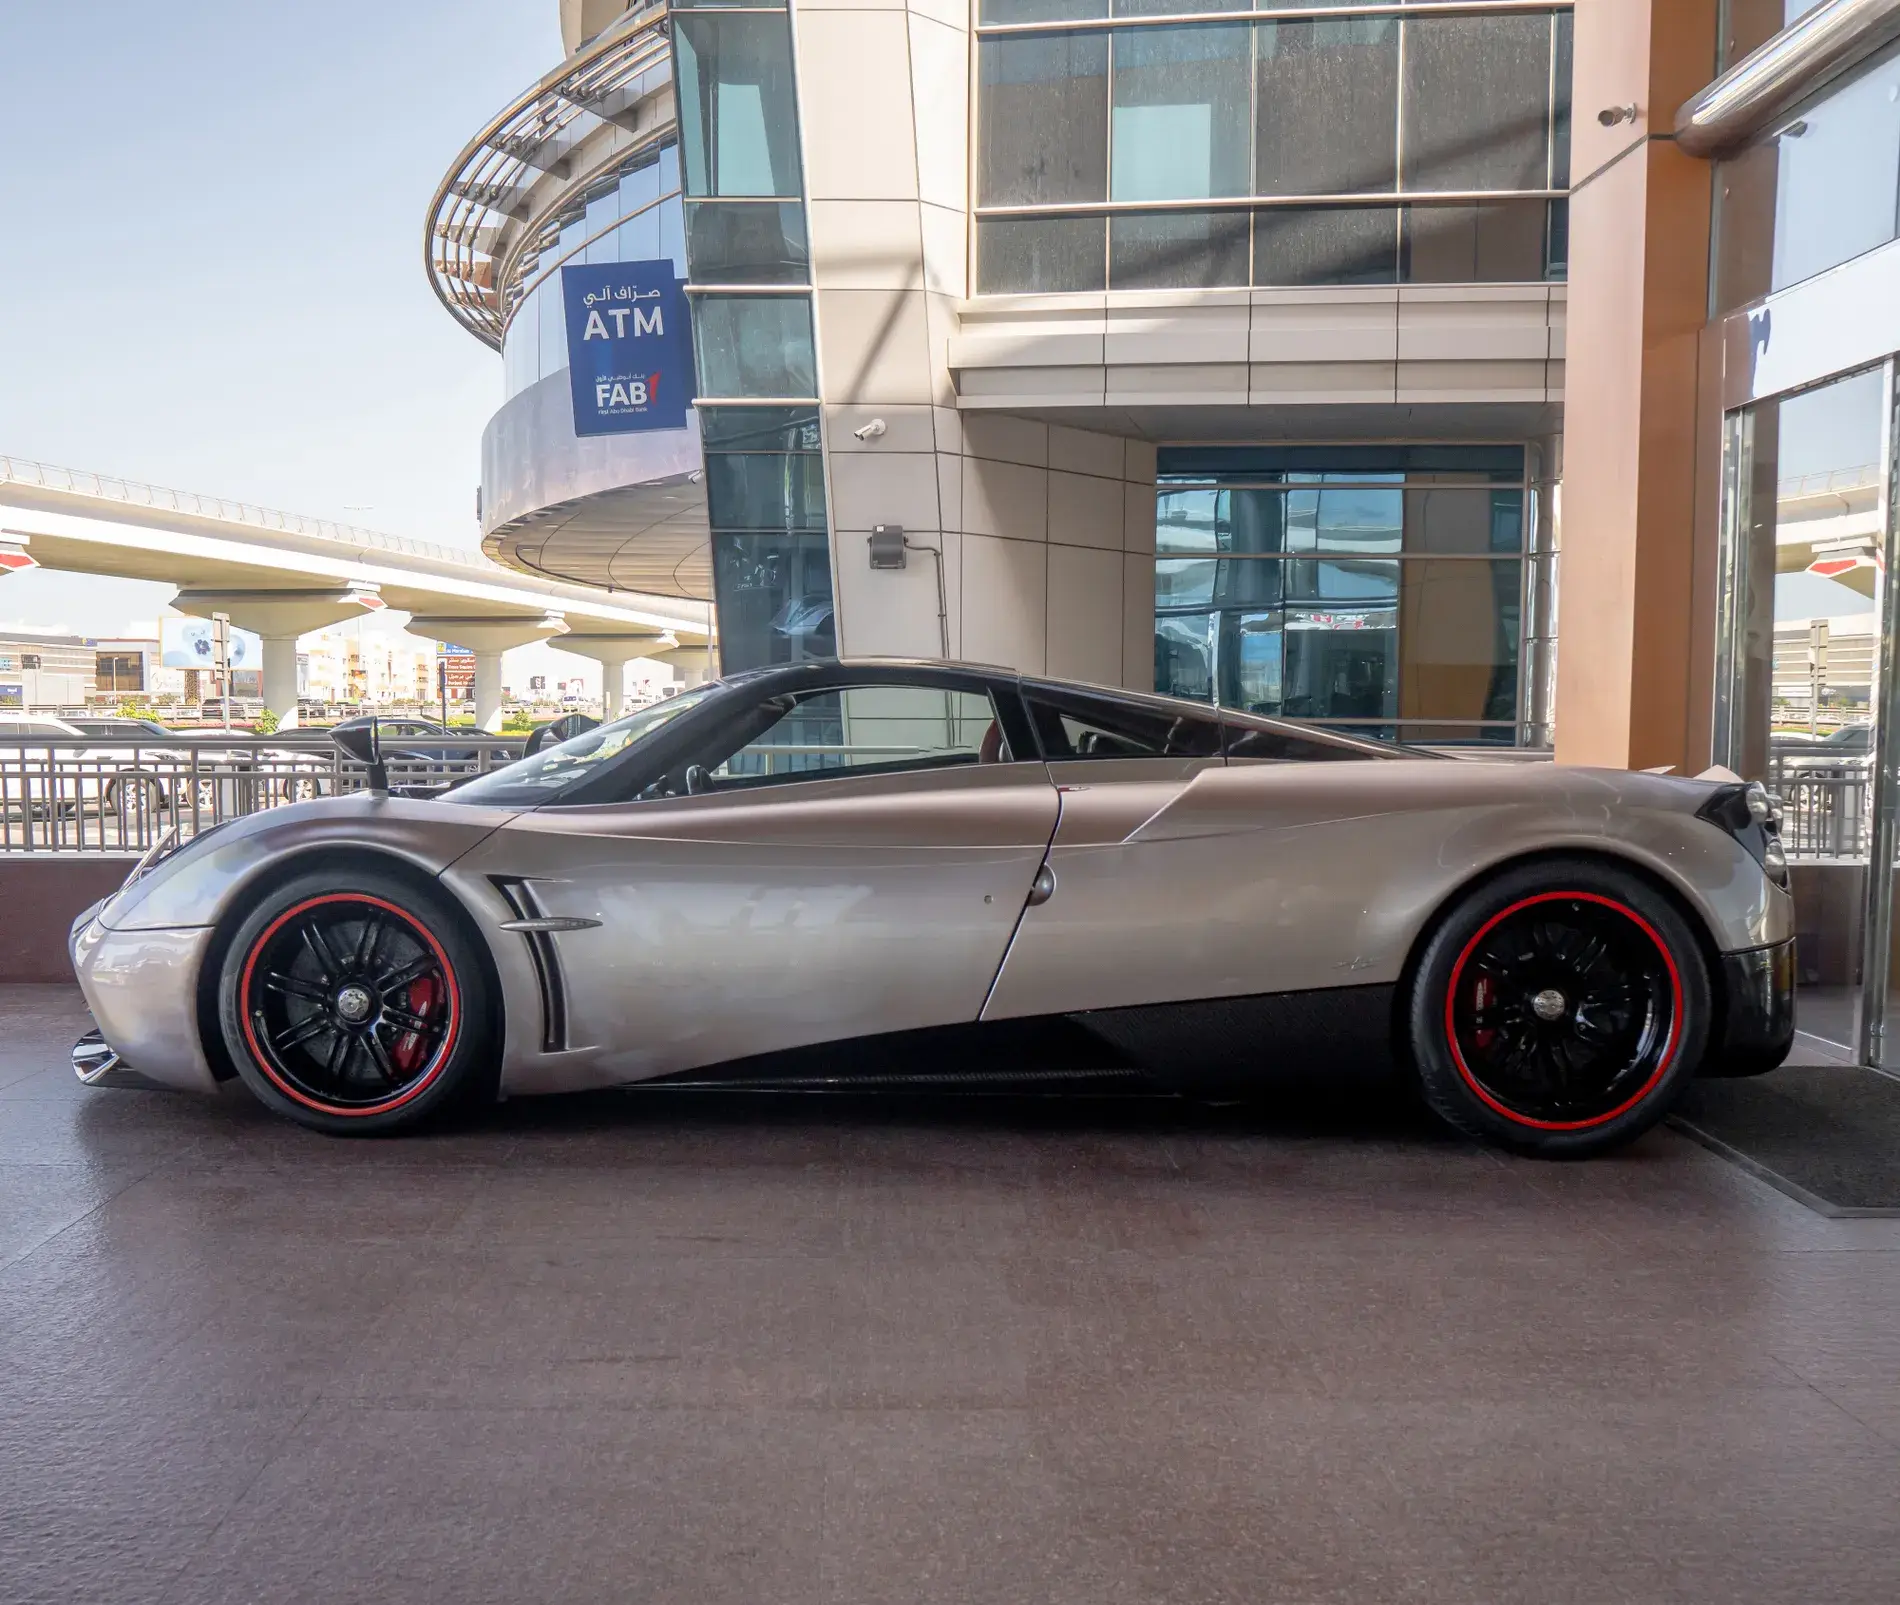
(318, 991)
(1559, 1009)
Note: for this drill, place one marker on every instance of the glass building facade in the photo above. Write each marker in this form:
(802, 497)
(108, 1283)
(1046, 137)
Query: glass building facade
(1120, 149)
(1380, 590)
(749, 274)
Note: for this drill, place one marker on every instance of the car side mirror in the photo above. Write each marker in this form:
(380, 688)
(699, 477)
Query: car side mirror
(364, 743)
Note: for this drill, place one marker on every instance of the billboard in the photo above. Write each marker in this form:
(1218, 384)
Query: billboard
(187, 644)
(629, 347)
(455, 672)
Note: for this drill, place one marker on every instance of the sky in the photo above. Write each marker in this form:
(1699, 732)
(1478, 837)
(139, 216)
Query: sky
(211, 257)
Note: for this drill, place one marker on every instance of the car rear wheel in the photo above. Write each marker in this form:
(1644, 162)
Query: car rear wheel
(355, 1006)
(1559, 1010)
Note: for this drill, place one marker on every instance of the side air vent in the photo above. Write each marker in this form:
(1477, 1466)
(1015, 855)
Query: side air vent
(519, 895)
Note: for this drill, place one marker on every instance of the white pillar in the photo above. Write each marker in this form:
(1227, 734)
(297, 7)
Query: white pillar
(488, 692)
(613, 653)
(280, 679)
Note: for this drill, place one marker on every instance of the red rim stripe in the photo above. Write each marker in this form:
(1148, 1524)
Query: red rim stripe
(1675, 1018)
(263, 1063)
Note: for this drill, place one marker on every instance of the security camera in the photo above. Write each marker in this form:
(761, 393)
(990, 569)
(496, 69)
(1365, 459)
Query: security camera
(871, 430)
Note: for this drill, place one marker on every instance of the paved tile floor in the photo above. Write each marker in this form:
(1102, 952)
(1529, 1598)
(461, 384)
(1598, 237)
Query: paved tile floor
(774, 1351)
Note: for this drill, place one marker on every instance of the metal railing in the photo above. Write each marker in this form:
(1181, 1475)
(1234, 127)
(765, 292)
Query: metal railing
(68, 794)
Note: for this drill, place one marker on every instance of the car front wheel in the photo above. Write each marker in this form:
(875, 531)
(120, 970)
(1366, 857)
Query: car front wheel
(1559, 1009)
(355, 1006)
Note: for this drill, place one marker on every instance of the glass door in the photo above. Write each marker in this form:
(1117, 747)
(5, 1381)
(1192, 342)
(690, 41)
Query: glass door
(1806, 701)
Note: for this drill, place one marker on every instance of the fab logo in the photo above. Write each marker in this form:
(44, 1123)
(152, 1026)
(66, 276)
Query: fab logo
(629, 347)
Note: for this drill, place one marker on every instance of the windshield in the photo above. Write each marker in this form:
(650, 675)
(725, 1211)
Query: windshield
(529, 782)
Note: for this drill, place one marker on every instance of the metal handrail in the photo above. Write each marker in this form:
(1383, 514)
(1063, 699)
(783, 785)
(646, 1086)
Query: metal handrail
(478, 200)
(1801, 59)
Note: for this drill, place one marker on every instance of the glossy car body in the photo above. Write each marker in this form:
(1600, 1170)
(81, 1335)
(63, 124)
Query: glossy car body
(1140, 865)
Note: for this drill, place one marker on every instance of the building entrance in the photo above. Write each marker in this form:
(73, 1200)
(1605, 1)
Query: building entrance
(1806, 701)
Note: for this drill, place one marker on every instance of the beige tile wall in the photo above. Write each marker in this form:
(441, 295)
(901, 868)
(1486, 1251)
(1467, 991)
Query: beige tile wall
(1045, 535)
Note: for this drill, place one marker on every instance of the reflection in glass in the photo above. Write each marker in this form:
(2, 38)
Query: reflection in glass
(1327, 107)
(1177, 250)
(774, 599)
(1477, 102)
(1806, 536)
(1445, 519)
(747, 242)
(754, 345)
(1025, 255)
(1493, 242)
(1300, 245)
(738, 125)
(1045, 119)
(765, 490)
(1460, 624)
(1179, 117)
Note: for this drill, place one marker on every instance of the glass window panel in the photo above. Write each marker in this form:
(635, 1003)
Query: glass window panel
(1493, 242)
(1561, 72)
(1254, 521)
(866, 730)
(553, 327)
(1838, 175)
(521, 349)
(754, 345)
(1477, 102)
(1252, 661)
(1358, 519)
(748, 242)
(1327, 105)
(738, 124)
(1442, 519)
(1184, 655)
(765, 491)
(1185, 520)
(1299, 245)
(1353, 587)
(1185, 582)
(1177, 250)
(1459, 631)
(1044, 135)
(758, 429)
(1000, 11)
(773, 593)
(1081, 724)
(1040, 254)
(640, 236)
(1179, 130)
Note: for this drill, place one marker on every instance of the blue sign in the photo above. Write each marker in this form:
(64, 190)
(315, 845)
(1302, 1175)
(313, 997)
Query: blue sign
(629, 347)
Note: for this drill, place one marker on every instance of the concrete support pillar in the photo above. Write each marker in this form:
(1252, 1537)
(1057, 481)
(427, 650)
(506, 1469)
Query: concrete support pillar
(693, 662)
(280, 679)
(280, 618)
(1632, 686)
(613, 653)
(487, 637)
(488, 692)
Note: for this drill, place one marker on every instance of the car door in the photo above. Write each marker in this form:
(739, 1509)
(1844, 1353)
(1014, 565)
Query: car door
(1119, 926)
(846, 859)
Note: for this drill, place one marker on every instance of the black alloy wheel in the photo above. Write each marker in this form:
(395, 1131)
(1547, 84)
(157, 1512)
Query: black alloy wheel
(346, 1009)
(1563, 1010)
(1560, 1012)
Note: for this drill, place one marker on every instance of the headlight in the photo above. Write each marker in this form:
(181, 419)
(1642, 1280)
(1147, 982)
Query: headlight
(1748, 814)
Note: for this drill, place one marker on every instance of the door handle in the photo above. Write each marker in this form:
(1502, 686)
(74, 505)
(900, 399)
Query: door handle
(1042, 888)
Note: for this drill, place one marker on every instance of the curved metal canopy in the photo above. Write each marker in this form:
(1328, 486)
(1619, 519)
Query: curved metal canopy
(609, 100)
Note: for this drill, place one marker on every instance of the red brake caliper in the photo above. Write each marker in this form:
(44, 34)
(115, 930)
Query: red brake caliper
(1480, 1001)
(422, 998)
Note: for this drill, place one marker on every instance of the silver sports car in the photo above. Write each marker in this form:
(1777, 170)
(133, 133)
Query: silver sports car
(818, 853)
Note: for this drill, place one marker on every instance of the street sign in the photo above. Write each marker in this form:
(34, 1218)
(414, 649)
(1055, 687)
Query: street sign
(455, 670)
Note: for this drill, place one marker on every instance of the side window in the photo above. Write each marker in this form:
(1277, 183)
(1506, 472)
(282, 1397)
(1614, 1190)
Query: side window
(1267, 744)
(858, 730)
(1079, 724)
